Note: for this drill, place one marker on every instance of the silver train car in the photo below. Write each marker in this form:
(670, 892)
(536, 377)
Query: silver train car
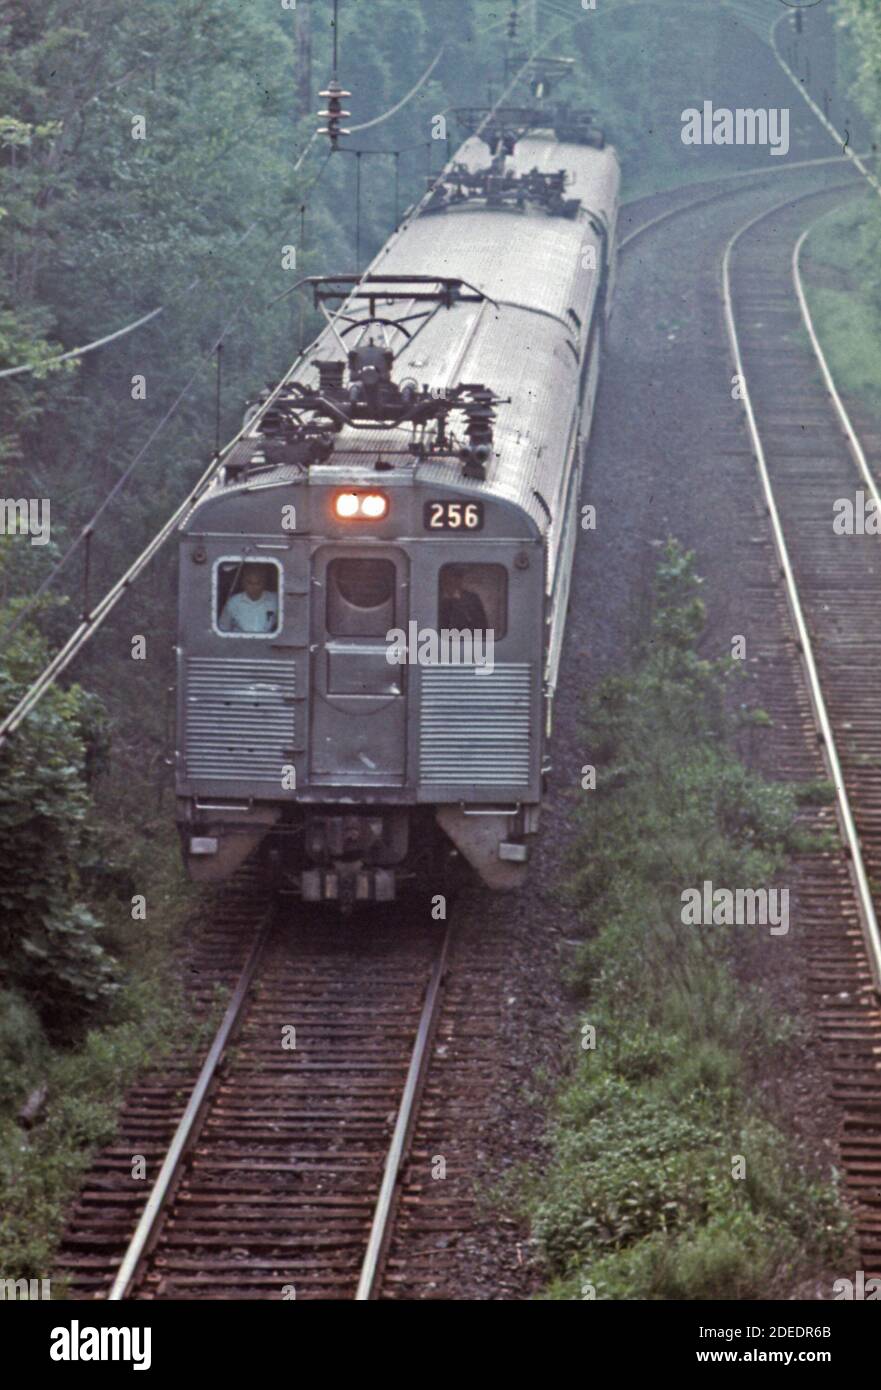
(373, 591)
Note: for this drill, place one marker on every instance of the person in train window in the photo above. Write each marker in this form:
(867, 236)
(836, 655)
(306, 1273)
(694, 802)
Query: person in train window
(255, 608)
(458, 607)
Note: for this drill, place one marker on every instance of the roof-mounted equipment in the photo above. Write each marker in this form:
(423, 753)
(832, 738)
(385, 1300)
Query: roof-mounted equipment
(358, 390)
(498, 187)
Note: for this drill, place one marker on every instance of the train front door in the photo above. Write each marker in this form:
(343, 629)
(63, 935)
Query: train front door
(359, 698)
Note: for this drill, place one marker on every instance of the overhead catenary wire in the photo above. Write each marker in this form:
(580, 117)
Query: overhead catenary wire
(417, 87)
(518, 76)
(87, 529)
(93, 620)
(572, 20)
(378, 120)
(118, 333)
(307, 147)
(362, 154)
(558, 8)
(30, 367)
(74, 353)
(89, 347)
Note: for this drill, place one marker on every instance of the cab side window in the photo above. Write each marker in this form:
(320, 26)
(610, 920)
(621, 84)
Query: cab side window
(473, 597)
(247, 597)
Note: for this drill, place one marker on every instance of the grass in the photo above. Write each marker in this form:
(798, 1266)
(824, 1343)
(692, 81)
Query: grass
(846, 318)
(668, 1177)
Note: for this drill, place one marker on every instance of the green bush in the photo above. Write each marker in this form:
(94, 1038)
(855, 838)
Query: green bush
(49, 939)
(22, 1046)
(666, 1179)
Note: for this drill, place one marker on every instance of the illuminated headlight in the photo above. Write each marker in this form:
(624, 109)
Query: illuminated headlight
(346, 504)
(374, 505)
(370, 505)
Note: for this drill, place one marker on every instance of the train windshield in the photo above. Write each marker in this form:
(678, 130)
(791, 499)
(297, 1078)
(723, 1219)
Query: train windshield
(360, 597)
(247, 599)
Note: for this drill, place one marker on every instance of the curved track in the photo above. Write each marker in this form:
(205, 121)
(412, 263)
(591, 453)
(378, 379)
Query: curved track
(809, 456)
(814, 596)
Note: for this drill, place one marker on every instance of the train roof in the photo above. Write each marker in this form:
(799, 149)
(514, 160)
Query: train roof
(521, 341)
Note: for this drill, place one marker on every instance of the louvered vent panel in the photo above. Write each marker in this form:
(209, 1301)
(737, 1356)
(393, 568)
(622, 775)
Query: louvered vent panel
(475, 729)
(239, 718)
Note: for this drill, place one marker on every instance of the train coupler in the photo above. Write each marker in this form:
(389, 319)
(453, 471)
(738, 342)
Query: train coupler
(346, 885)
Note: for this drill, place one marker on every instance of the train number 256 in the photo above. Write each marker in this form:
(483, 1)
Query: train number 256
(453, 516)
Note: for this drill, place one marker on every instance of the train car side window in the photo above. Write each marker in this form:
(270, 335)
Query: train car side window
(475, 597)
(246, 597)
(360, 597)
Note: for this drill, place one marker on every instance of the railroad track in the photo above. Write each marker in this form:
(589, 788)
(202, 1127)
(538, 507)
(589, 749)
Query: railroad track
(631, 224)
(276, 1175)
(822, 598)
(342, 1168)
(815, 601)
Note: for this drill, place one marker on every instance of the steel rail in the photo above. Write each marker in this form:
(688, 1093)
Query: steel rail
(386, 1202)
(188, 1127)
(847, 825)
(850, 434)
(740, 174)
(721, 193)
(827, 125)
(675, 212)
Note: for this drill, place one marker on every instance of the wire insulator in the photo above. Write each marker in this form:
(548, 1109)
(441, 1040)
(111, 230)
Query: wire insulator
(335, 95)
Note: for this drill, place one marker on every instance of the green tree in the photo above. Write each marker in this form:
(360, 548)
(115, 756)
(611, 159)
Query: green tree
(50, 952)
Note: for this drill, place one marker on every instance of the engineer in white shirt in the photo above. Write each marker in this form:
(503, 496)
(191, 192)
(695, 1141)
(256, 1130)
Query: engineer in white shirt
(255, 608)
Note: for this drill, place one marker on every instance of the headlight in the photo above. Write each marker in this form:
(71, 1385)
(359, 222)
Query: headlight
(372, 506)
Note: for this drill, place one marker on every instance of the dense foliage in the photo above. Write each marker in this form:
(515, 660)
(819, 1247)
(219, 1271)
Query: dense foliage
(50, 953)
(860, 24)
(147, 155)
(149, 158)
